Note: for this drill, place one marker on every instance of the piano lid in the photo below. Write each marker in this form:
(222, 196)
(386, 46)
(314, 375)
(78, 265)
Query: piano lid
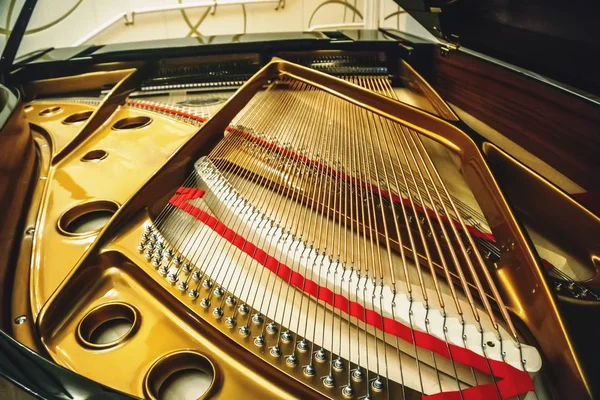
(553, 38)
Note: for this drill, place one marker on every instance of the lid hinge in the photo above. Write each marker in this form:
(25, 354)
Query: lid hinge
(446, 47)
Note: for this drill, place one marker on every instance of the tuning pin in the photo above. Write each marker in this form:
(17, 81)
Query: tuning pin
(286, 337)
(204, 303)
(291, 360)
(163, 270)
(320, 355)
(302, 346)
(193, 294)
(259, 341)
(338, 364)
(309, 370)
(275, 351)
(377, 385)
(257, 319)
(230, 301)
(187, 268)
(217, 312)
(230, 322)
(347, 391)
(271, 328)
(357, 375)
(244, 331)
(243, 309)
(328, 381)
(182, 286)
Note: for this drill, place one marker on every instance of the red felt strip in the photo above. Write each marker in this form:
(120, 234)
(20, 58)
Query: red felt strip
(510, 381)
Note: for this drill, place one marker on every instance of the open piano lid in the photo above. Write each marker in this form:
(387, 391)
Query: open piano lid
(553, 38)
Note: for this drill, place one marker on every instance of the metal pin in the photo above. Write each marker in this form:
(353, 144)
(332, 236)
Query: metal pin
(182, 286)
(320, 355)
(196, 276)
(163, 270)
(217, 312)
(156, 261)
(243, 309)
(347, 391)
(230, 322)
(259, 341)
(218, 292)
(286, 337)
(207, 284)
(309, 370)
(187, 268)
(257, 319)
(204, 303)
(244, 331)
(338, 364)
(141, 247)
(302, 346)
(193, 294)
(291, 360)
(172, 277)
(230, 301)
(328, 381)
(377, 385)
(275, 351)
(357, 375)
(271, 328)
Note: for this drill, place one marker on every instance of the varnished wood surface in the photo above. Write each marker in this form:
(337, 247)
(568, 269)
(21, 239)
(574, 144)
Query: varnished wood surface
(558, 127)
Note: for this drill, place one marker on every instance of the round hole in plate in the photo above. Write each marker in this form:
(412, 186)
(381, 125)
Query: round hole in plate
(180, 375)
(132, 123)
(108, 325)
(86, 218)
(77, 117)
(47, 112)
(95, 155)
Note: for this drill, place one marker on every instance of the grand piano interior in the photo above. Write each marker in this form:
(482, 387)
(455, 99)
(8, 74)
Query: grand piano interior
(349, 211)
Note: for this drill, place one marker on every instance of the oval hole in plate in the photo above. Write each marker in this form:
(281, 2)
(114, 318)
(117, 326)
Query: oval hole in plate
(189, 384)
(27, 107)
(132, 123)
(94, 155)
(180, 375)
(108, 325)
(86, 218)
(46, 112)
(77, 117)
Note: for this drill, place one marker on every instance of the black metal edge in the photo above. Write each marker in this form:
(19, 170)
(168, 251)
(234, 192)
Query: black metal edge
(14, 40)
